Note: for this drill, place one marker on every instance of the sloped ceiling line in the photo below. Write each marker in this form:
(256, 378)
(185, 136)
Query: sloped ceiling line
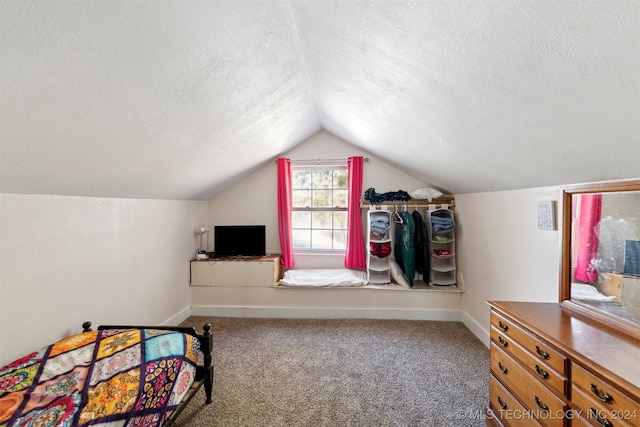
(176, 100)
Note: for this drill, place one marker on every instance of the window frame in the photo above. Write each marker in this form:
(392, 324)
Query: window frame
(323, 167)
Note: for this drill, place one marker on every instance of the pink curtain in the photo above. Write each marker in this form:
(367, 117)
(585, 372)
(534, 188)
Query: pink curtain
(587, 239)
(284, 212)
(354, 254)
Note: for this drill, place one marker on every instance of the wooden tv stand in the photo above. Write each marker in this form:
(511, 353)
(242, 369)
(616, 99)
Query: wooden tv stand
(236, 271)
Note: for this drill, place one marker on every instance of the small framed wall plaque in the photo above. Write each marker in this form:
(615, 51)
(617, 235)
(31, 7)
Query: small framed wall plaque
(547, 215)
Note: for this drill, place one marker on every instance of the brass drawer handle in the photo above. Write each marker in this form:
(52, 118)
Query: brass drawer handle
(543, 354)
(503, 326)
(502, 404)
(542, 373)
(604, 397)
(603, 422)
(541, 405)
(503, 342)
(503, 368)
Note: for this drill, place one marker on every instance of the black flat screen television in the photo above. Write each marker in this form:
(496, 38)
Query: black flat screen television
(239, 240)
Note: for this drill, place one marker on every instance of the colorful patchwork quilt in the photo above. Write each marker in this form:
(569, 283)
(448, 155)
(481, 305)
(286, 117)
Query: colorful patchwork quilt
(130, 377)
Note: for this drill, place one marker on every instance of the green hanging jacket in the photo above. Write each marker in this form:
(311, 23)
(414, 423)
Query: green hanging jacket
(404, 246)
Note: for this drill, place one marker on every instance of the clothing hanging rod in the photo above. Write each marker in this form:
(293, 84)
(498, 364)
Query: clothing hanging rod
(321, 161)
(406, 205)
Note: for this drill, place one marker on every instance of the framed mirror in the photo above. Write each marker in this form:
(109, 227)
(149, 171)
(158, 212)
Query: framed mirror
(600, 270)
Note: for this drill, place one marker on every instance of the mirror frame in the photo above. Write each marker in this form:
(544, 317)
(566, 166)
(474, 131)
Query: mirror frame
(568, 192)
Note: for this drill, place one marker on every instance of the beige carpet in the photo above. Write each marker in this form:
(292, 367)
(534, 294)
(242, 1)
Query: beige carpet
(356, 372)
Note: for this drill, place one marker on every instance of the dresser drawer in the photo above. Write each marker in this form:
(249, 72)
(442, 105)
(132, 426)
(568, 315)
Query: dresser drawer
(580, 420)
(591, 390)
(506, 407)
(534, 365)
(531, 343)
(542, 403)
(594, 414)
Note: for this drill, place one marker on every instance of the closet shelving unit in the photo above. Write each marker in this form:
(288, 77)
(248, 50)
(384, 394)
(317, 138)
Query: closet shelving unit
(378, 268)
(442, 275)
(443, 250)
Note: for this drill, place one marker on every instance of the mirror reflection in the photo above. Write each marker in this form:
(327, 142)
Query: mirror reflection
(605, 253)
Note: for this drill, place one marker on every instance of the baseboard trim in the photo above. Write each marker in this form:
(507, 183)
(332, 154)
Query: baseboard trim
(178, 318)
(326, 313)
(332, 313)
(476, 329)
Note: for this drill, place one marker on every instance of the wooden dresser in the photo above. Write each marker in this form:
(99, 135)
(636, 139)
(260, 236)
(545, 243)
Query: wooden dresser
(551, 366)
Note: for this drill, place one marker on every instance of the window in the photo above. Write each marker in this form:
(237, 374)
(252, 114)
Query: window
(319, 215)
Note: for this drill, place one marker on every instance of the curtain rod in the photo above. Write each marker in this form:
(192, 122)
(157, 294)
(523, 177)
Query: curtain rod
(319, 161)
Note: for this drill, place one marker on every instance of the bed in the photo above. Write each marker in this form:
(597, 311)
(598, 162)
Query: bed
(315, 278)
(112, 376)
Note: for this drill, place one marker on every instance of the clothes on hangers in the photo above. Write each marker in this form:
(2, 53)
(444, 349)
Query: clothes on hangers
(404, 250)
(421, 245)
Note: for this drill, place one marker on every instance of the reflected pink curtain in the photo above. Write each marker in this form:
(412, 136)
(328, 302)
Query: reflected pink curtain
(284, 212)
(587, 239)
(354, 255)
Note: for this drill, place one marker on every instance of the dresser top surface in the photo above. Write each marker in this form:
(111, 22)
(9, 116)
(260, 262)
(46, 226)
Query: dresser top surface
(584, 340)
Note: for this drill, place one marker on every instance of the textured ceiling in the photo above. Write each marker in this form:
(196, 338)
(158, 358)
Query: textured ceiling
(180, 99)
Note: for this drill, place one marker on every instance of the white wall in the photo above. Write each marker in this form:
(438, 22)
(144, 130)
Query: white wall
(64, 260)
(253, 200)
(502, 255)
